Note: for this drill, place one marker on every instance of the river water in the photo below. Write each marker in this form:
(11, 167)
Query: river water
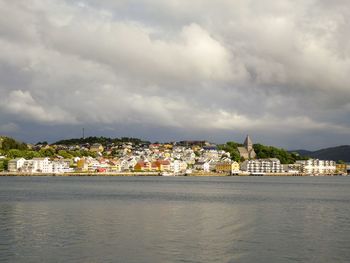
(175, 219)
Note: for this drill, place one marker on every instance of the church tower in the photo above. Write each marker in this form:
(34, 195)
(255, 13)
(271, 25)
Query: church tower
(248, 143)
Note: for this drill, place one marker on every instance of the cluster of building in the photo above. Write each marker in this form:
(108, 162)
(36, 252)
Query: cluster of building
(39, 165)
(181, 158)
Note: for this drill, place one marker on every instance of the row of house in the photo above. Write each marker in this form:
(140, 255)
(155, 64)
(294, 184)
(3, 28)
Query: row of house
(185, 157)
(39, 165)
(255, 166)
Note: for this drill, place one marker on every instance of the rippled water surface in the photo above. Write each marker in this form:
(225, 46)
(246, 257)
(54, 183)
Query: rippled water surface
(174, 219)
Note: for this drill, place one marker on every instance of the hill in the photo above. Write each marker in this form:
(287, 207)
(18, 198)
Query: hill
(7, 143)
(262, 152)
(102, 140)
(334, 153)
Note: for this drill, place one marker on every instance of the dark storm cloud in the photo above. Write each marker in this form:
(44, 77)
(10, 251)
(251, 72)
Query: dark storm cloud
(276, 69)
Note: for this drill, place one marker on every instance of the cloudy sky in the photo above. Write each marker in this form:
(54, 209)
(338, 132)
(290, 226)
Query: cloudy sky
(177, 69)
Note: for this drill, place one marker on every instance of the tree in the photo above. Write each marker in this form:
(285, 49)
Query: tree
(9, 143)
(15, 153)
(285, 157)
(65, 154)
(30, 155)
(232, 148)
(4, 164)
(47, 152)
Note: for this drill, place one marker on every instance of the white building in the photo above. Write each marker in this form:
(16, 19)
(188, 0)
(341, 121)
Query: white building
(261, 166)
(202, 166)
(178, 166)
(44, 165)
(61, 167)
(317, 167)
(15, 165)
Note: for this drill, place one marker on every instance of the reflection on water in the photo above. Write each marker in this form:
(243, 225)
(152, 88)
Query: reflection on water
(258, 219)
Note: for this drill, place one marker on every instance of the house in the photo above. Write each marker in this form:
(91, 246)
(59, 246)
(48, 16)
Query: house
(61, 166)
(161, 165)
(202, 166)
(96, 147)
(178, 166)
(82, 165)
(15, 165)
(227, 167)
(115, 166)
(143, 166)
(93, 165)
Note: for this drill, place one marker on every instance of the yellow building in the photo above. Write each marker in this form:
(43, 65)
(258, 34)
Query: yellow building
(142, 166)
(82, 165)
(341, 168)
(227, 167)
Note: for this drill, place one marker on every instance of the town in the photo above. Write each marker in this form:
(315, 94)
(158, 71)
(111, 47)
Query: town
(191, 158)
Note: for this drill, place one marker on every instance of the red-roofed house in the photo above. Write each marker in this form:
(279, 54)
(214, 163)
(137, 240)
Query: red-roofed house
(161, 165)
(142, 166)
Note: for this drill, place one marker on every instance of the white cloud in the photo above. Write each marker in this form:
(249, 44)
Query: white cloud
(212, 65)
(21, 103)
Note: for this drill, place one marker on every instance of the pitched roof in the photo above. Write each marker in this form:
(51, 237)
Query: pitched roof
(248, 141)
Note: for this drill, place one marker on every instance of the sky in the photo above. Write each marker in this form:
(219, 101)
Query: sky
(177, 70)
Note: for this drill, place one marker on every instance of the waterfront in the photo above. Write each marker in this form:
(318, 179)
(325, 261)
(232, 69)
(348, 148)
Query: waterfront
(174, 219)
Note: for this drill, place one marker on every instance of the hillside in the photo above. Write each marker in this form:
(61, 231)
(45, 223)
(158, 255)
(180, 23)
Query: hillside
(262, 152)
(7, 143)
(102, 140)
(334, 153)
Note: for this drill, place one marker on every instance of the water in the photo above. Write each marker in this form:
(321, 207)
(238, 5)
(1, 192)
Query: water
(180, 219)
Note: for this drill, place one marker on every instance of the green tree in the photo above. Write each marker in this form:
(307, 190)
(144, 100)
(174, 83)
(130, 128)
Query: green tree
(65, 154)
(47, 152)
(9, 143)
(15, 153)
(285, 157)
(4, 165)
(30, 154)
(232, 148)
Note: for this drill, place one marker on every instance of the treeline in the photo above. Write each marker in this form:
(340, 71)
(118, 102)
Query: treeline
(262, 152)
(7, 143)
(285, 157)
(13, 149)
(102, 140)
(47, 152)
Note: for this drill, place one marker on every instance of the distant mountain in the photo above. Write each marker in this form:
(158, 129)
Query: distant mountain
(334, 153)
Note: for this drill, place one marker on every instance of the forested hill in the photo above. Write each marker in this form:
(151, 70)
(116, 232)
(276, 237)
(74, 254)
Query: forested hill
(102, 140)
(7, 143)
(333, 153)
(262, 151)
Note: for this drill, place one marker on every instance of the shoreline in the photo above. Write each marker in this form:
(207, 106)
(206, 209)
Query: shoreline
(158, 174)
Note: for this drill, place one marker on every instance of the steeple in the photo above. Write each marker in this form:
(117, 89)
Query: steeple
(248, 143)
